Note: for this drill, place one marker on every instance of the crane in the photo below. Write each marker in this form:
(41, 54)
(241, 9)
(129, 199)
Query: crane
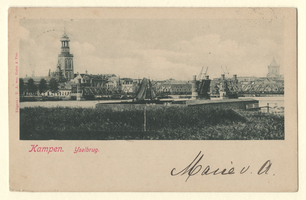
(201, 73)
(225, 72)
(226, 69)
(199, 77)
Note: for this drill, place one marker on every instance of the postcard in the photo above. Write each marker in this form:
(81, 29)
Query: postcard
(153, 99)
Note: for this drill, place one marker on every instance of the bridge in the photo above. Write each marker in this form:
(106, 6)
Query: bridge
(256, 87)
(253, 87)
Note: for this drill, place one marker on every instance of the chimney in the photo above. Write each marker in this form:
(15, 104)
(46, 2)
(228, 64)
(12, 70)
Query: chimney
(223, 76)
(194, 93)
(235, 76)
(207, 77)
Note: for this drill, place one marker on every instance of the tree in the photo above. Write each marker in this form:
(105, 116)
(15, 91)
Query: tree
(21, 86)
(42, 86)
(31, 87)
(53, 85)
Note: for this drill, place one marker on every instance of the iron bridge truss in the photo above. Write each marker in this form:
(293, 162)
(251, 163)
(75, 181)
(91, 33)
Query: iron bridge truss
(254, 87)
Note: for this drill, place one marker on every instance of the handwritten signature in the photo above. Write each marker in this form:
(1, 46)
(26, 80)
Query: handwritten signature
(194, 168)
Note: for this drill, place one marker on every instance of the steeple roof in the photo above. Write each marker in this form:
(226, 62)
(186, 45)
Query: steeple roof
(273, 63)
(65, 36)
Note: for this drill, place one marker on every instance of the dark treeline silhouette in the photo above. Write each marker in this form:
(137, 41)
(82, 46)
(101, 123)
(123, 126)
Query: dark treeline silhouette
(31, 89)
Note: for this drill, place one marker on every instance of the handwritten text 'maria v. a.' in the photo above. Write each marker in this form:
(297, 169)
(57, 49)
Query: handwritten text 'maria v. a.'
(195, 168)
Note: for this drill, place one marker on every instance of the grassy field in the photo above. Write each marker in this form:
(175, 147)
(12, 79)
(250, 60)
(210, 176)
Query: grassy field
(169, 123)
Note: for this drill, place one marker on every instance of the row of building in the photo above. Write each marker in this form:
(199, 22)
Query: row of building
(66, 77)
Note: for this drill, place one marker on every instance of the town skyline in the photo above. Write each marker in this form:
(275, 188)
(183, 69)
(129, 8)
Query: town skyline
(156, 49)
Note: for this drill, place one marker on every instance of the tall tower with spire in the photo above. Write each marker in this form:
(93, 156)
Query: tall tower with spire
(65, 59)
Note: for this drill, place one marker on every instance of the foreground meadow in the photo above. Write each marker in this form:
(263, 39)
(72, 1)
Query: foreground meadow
(169, 123)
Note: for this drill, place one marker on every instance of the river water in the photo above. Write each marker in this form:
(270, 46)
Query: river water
(276, 104)
(49, 104)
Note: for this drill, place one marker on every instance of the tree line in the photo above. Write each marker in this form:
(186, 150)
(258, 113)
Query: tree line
(31, 88)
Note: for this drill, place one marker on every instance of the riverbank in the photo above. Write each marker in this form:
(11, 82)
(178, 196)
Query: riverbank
(169, 123)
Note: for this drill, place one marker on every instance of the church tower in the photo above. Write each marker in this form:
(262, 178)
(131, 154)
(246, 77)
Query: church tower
(65, 59)
(273, 69)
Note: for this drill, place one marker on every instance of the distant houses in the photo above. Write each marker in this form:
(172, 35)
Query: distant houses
(174, 87)
(63, 82)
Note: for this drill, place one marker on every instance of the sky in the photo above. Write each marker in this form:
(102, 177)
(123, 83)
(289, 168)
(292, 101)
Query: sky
(158, 49)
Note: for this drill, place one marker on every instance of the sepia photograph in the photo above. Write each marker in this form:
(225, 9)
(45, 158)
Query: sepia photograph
(151, 79)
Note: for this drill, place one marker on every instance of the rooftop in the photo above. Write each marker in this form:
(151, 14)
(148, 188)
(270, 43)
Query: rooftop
(273, 63)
